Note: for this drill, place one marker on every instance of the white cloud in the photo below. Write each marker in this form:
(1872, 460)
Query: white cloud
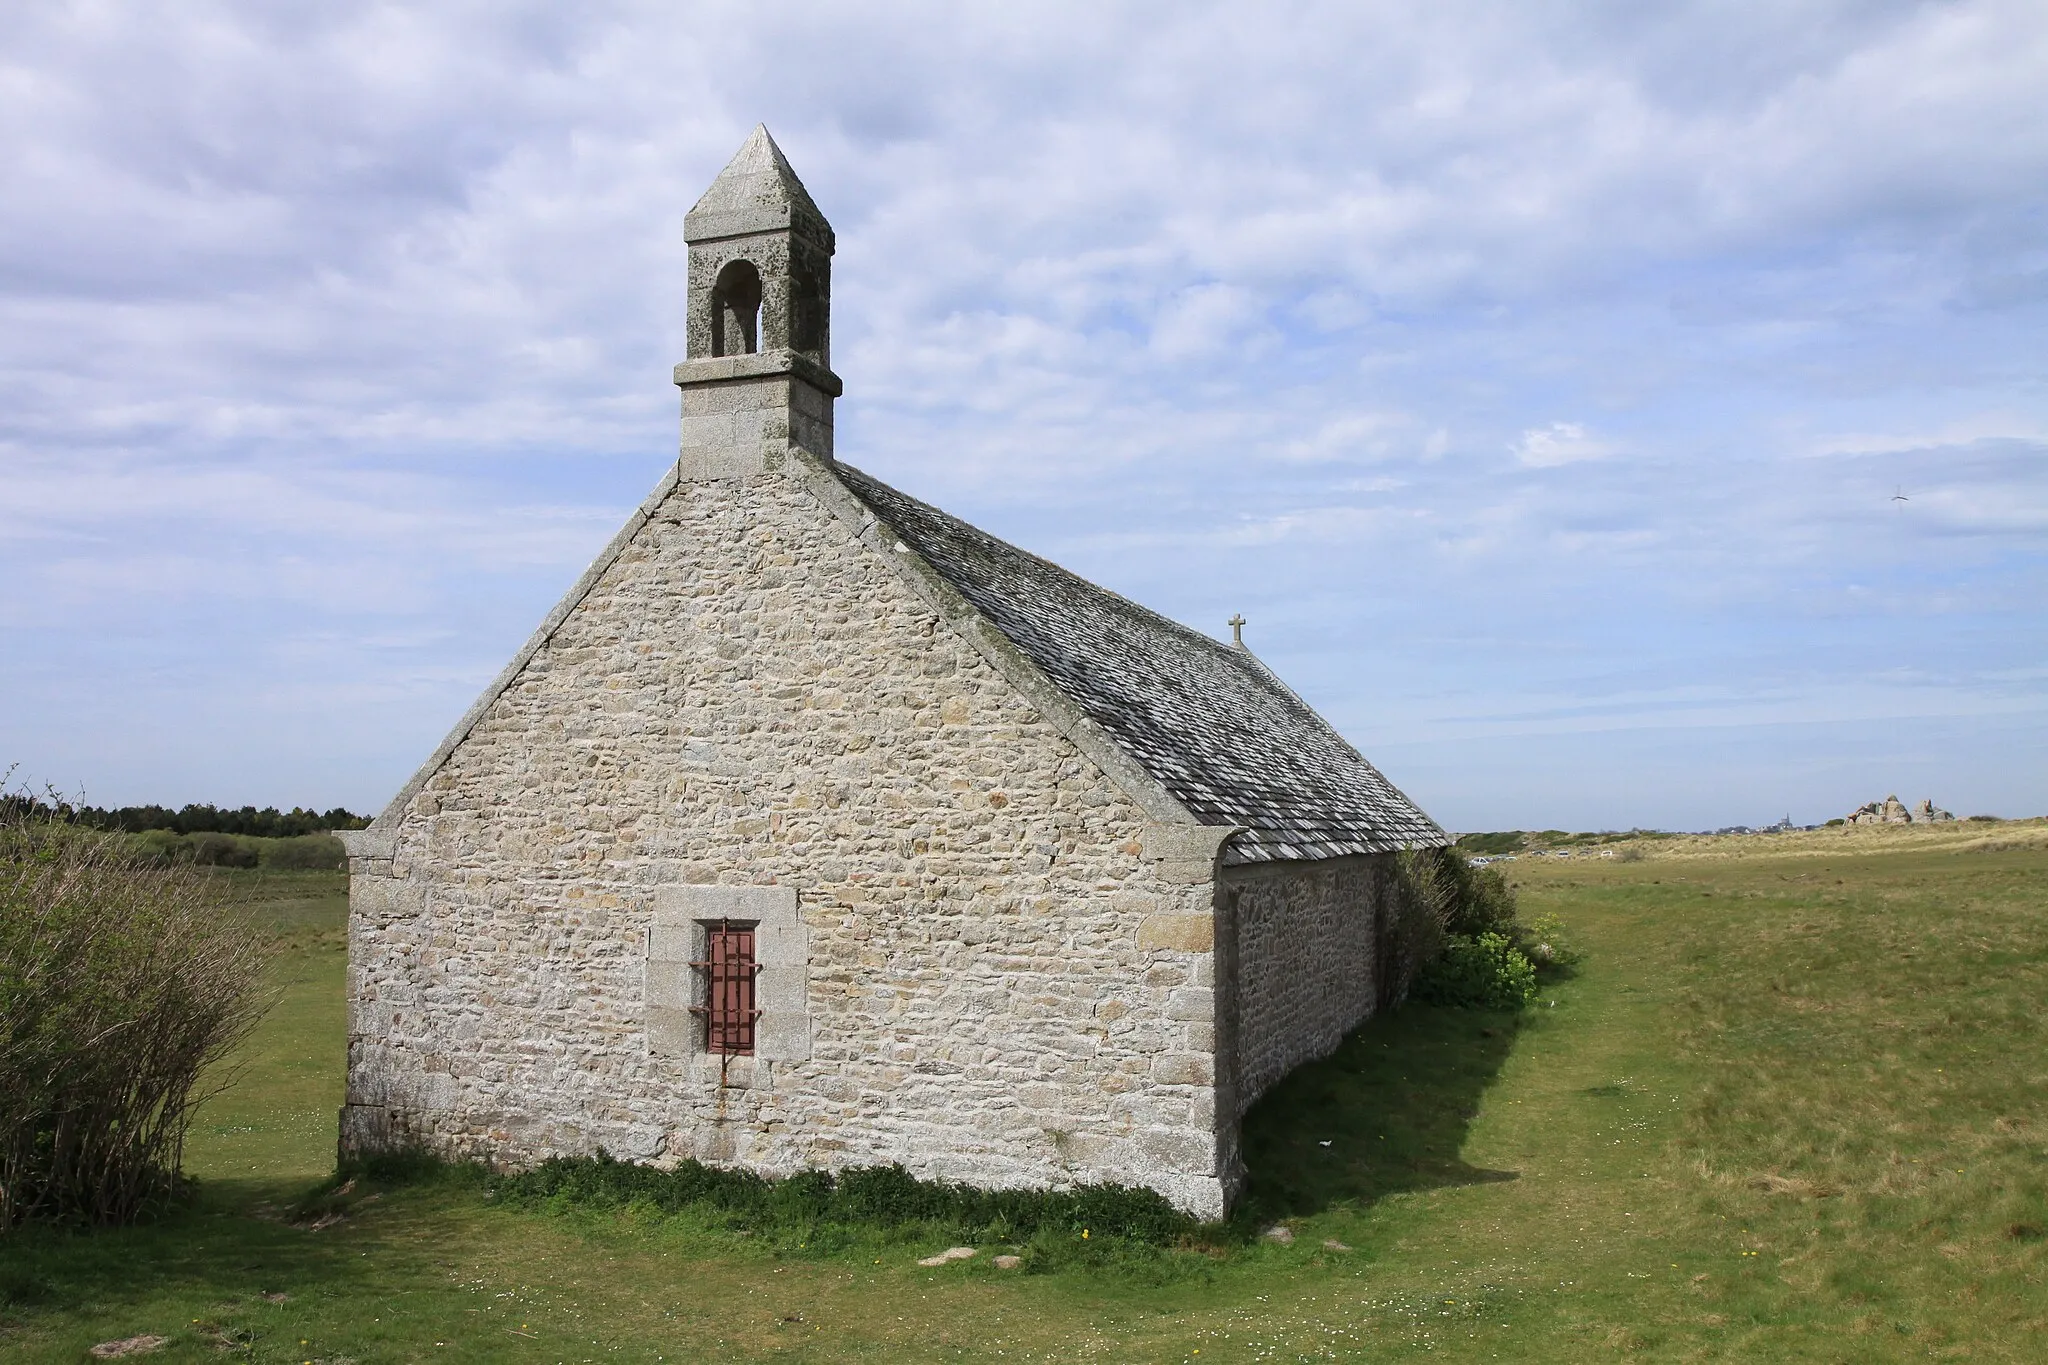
(352, 325)
(1559, 443)
(1207, 319)
(1998, 426)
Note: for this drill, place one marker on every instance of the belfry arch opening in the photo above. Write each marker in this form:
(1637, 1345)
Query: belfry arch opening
(736, 310)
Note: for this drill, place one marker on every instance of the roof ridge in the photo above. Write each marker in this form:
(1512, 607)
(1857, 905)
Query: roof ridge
(1222, 650)
(838, 487)
(1210, 723)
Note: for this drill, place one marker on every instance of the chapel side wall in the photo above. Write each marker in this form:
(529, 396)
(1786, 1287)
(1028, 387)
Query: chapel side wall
(1305, 963)
(1009, 970)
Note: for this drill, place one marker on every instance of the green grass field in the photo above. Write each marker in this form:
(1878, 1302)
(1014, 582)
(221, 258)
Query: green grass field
(1794, 1107)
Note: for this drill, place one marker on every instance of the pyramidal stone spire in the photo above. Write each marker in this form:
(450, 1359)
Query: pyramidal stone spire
(758, 382)
(756, 192)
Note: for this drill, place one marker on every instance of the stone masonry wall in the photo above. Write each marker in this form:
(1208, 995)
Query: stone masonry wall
(1304, 938)
(1006, 972)
(739, 417)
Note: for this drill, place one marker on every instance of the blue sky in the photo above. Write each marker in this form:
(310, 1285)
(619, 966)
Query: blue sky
(1537, 379)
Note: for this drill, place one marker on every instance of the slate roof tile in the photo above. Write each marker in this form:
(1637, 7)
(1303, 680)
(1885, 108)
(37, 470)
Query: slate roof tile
(1208, 721)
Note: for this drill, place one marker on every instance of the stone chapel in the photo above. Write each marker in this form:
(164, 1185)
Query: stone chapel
(816, 828)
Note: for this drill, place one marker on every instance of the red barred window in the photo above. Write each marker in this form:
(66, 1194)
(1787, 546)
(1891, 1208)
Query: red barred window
(728, 1007)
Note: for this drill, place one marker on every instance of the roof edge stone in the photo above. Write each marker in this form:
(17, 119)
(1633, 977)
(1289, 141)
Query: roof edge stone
(820, 477)
(394, 810)
(1302, 702)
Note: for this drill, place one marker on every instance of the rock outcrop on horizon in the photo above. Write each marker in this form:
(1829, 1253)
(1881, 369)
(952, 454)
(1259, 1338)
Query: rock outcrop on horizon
(1892, 811)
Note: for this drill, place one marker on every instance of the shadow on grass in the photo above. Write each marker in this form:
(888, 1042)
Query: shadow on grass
(1393, 1103)
(1384, 1114)
(236, 1249)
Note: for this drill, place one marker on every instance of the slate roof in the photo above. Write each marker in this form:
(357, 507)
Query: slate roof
(1207, 720)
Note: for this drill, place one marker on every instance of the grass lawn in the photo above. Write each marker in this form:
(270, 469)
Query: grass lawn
(1795, 1107)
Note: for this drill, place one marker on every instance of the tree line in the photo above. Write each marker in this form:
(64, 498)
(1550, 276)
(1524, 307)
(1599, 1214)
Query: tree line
(267, 823)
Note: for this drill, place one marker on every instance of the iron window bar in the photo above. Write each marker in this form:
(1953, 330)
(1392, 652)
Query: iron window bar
(730, 972)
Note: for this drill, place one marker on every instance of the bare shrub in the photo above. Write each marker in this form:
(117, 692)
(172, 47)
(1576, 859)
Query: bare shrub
(124, 983)
(1422, 896)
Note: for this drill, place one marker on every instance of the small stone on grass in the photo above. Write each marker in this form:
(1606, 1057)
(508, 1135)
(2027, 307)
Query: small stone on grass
(129, 1346)
(1008, 1262)
(949, 1254)
(1332, 1244)
(1280, 1233)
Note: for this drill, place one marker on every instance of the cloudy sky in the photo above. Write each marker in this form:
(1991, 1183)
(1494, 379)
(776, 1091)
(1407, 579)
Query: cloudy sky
(1609, 414)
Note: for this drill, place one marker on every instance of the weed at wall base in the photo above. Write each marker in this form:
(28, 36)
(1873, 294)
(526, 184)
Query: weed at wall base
(868, 1196)
(815, 1207)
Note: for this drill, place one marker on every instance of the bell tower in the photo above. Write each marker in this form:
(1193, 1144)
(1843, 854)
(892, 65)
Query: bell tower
(758, 379)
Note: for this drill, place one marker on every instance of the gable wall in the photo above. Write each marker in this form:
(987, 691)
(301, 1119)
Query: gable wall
(1004, 983)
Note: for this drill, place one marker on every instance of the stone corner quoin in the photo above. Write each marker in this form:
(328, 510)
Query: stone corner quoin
(990, 944)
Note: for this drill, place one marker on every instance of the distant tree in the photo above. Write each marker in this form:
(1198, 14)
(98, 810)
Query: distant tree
(267, 823)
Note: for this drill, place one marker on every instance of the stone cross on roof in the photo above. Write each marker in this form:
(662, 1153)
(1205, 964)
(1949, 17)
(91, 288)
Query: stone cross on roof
(1236, 624)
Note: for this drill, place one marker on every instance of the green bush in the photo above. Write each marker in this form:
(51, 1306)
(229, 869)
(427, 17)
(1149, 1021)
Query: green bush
(163, 846)
(1475, 953)
(1481, 901)
(1486, 972)
(305, 853)
(1500, 841)
(1547, 943)
(222, 850)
